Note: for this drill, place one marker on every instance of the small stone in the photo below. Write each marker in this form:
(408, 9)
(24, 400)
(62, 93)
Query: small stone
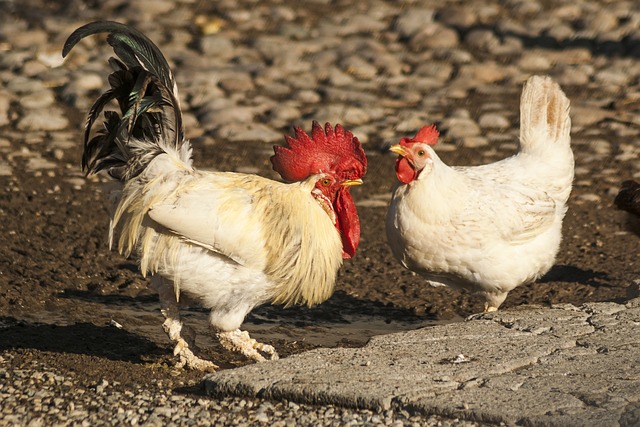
(534, 61)
(88, 81)
(37, 163)
(219, 46)
(460, 127)
(475, 141)
(248, 132)
(435, 37)
(493, 120)
(589, 197)
(43, 120)
(239, 82)
(600, 146)
(5, 169)
(413, 20)
(462, 17)
(37, 100)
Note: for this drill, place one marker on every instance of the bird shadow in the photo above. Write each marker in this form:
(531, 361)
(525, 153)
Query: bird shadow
(80, 338)
(570, 273)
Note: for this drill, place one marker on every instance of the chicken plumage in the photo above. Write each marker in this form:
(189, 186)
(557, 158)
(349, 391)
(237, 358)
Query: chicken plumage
(628, 198)
(488, 228)
(230, 241)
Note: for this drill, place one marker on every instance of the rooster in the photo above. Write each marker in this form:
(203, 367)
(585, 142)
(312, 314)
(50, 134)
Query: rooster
(230, 241)
(489, 228)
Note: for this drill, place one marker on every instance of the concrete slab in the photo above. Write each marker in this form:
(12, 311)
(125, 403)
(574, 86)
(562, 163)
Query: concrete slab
(560, 366)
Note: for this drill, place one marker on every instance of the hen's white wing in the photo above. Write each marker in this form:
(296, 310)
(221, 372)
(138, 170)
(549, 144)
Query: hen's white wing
(516, 214)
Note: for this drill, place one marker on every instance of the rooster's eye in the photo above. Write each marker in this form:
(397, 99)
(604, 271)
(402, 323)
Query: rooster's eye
(420, 153)
(326, 182)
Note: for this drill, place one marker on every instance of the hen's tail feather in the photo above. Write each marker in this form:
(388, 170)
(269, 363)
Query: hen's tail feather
(544, 115)
(150, 119)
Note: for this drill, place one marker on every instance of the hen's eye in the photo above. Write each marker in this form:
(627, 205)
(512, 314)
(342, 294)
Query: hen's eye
(421, 153)
(326, 182)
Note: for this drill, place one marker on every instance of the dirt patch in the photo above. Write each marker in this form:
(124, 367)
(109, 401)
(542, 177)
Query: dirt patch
(69, 302)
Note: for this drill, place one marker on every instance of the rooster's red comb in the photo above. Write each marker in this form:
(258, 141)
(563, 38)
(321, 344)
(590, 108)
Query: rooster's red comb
(427, 135)
(325, 151)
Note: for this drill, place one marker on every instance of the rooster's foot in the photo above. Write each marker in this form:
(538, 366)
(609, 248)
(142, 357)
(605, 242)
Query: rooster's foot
(240, 341)
(190, 360)
(174, 329)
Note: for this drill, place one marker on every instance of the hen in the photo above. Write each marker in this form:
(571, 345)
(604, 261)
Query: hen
(230, 241)
(489, 228)
(628, 197)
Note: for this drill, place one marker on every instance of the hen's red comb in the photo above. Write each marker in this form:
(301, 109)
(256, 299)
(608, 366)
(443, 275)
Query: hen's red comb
(325, 151)
(427, 135)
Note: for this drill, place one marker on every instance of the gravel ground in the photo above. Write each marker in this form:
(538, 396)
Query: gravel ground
(248, 71)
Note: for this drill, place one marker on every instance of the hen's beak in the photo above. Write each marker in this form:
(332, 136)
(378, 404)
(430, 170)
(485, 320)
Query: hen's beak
(352, 182)
(399, 150)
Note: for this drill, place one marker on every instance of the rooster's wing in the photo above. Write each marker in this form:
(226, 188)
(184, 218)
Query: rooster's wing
(219, 217)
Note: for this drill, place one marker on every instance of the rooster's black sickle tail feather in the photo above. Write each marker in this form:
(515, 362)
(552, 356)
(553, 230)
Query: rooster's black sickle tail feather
(150, 119)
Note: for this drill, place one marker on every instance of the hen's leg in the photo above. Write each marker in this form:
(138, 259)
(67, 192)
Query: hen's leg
(173, 327)
(488, 308)
(240, 341)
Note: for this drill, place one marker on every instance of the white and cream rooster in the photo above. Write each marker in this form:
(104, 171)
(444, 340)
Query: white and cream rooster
(229, 241)
(489, 228)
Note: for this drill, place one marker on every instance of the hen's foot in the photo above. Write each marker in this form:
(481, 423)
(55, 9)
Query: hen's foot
(478, 316)
(240, 341)
(489, 308)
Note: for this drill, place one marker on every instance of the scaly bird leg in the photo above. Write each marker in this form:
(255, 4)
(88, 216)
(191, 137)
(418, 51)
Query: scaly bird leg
(240, 341)
(489, 308)
(173, 327)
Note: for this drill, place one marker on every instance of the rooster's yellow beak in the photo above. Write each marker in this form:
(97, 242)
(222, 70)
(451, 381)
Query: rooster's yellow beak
(399, 150)
(352, 182)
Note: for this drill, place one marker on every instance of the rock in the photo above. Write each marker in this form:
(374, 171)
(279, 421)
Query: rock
(460, 127)
(587, 116)
(435, 36)
(612, 76)
(338, 113)
(534, 62)
(454, 16)
(413, 20)
(474, 141)
(493, 120)
(236, 83)
(5, 169)
(37, 100)
(481, 73)
(218, 45)
(248, 132)
(600, 146)
(88, 81)
(5, 103)
(50, 119)
(359, 68)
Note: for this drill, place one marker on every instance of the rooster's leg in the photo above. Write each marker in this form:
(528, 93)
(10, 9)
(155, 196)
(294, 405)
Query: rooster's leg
(240, 341)
(174, 328)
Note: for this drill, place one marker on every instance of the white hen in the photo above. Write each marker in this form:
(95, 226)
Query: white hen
(489, 228)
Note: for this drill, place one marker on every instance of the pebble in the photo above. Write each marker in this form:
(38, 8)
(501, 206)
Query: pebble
(248, 132)
(50, 119)
(460, 127)
(493, 120)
